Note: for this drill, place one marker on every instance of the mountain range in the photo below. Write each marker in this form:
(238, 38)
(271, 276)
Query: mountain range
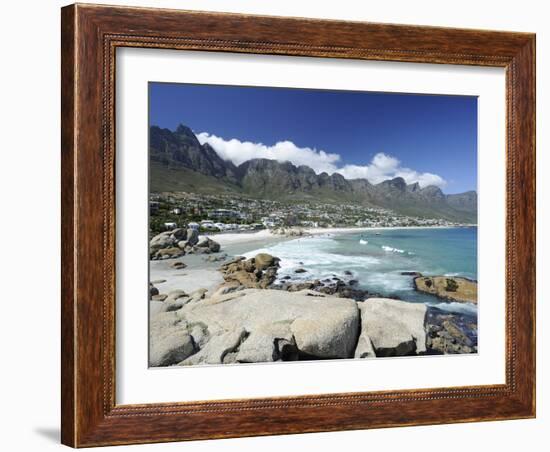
(178, 162)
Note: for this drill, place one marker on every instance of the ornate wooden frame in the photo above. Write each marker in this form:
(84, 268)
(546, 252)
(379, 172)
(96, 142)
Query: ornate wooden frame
(90, 35)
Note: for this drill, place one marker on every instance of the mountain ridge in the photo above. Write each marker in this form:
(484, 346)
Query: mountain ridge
(180, 149)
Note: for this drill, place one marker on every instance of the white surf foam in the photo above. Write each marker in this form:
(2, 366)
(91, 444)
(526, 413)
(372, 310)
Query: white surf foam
(461, 308)
(392, 250)
(316, 255)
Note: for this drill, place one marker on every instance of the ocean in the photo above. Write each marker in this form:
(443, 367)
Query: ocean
(376, 259)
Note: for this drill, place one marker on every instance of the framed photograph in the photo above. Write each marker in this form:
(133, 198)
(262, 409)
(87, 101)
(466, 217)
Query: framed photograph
(281, 225)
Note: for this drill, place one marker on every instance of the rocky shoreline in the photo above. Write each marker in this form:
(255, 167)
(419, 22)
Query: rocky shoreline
(253, 316)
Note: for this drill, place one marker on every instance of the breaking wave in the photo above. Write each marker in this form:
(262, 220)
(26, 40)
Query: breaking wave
(392, 250)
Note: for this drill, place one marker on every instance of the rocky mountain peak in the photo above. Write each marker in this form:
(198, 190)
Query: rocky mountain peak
(284, 180)
(432, 191)
(397, 183)
(184, 130)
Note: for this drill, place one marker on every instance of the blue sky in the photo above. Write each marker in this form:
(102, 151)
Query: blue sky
(427, 138)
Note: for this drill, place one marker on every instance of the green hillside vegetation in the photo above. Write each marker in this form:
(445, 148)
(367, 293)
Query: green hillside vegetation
(166, 179)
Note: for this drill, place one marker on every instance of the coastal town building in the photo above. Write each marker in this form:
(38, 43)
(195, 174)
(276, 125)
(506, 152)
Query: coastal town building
(220, 213)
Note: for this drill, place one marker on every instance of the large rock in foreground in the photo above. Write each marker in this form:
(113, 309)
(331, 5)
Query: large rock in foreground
(265, 325)
(254, 325)
(170, 340)
(391, 328)
(448, 287)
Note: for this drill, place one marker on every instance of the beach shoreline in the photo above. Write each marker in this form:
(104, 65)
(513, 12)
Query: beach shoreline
(203, 272)
(231, 238)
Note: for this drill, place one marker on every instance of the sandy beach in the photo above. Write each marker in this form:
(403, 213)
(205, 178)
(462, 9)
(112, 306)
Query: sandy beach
(231, 238)
(198, 274)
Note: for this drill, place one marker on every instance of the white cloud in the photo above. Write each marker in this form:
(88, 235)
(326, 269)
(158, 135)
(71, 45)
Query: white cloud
(241, 151)
(424, 179)
(381, 167)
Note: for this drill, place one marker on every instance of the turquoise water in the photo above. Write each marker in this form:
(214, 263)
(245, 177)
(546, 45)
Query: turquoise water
(377, 265)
